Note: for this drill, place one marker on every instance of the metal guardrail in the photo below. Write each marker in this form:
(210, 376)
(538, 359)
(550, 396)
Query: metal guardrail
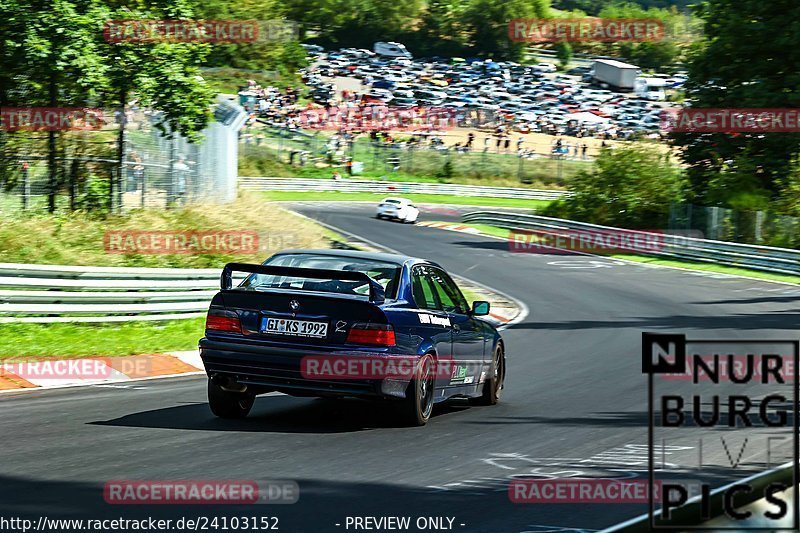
(56, 293)
(392, 187)
(763, 258)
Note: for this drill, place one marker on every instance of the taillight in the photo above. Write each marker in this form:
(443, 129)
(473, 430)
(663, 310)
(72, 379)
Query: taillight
(375, 334)
(223, 321)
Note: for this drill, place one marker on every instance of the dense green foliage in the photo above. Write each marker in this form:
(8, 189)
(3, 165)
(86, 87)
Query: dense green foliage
(437, 27)
(594, 7)
(630, 186)
(747, 59)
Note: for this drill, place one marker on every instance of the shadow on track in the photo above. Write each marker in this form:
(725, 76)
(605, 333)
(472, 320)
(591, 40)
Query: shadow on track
(278, 414)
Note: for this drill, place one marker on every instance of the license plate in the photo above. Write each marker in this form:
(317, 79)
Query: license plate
(297, 328)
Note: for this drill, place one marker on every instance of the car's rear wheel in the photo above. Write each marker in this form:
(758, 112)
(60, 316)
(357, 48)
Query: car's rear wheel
(227, 404)
(416, 408)
(493, 386)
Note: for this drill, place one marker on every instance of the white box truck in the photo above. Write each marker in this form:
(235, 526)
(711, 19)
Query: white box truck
(615, 74)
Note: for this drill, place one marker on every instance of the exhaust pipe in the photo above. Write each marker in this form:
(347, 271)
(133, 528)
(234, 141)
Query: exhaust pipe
(227, 384)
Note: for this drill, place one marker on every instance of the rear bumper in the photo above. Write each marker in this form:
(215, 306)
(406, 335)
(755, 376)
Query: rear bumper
(391, 213)
(277, 368)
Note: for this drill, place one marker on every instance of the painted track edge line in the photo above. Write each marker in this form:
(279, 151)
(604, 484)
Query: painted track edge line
(118, 382)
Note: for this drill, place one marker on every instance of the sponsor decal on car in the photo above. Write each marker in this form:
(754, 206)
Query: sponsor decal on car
(427, 318)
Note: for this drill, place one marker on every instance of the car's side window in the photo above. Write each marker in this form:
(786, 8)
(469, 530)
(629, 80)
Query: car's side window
(423, 289)
(452, 299)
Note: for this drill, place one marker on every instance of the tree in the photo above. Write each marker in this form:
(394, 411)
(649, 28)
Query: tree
(440, 32)
(54, 54)
(632, 187)
(564, 54)
(486, 22)
(56, 62)
(746, 60)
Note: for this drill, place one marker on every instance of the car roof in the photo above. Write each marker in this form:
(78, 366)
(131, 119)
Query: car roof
(397, 259)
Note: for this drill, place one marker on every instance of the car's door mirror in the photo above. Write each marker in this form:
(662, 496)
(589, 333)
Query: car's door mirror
(480, 308)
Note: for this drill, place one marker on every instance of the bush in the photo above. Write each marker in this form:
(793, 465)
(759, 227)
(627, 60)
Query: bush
(94, 197)
(630, 186)
(446, 174)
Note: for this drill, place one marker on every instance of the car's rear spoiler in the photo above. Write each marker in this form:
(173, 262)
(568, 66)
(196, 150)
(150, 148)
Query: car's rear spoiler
(376, 293)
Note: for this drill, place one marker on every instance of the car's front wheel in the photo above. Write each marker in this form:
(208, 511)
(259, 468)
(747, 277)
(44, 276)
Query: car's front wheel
(416, 408)
(227, 404)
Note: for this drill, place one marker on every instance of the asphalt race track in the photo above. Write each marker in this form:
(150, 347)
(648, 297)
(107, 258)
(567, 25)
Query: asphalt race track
(574, 404)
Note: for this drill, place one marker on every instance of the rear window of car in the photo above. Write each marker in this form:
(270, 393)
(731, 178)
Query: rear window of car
(385, 273)
(392, 201)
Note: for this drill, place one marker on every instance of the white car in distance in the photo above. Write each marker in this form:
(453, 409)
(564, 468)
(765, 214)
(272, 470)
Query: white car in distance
(400, 209)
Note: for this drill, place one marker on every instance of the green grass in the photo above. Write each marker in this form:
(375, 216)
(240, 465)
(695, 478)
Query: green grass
(709, 267)
(76, 340)
(54, 341)
(292, 196)
(675, 263)
(271, 158)
(78, 239)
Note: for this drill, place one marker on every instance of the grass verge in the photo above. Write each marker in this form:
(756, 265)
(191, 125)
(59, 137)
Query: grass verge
(332, 196)
(77, 239)
(675, 263)
(38, 341)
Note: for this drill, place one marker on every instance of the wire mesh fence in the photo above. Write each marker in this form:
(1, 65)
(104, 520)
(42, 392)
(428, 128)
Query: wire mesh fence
(319, 154)
(747, 227)
(145, 165)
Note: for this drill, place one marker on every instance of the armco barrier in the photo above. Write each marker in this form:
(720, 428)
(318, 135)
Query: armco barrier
(764, 258)
(56, 293)
(392, 187)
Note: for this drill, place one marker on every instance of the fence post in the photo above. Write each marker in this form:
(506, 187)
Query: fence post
(144, 178)
(759, 223)
(26, 185)
(173, 186)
